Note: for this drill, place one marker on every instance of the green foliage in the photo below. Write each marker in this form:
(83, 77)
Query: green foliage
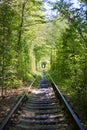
(28, 77)
(28, 39)
(69, 63)
(37, 79)
(16, 40)
(71, 48)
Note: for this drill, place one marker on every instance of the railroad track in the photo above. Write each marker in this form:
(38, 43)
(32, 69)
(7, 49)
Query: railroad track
(43, 111)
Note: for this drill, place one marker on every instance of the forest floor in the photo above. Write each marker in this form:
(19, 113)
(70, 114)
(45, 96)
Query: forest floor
(7, 103)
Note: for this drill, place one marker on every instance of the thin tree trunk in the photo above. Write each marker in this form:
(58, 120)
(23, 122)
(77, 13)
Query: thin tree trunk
(3, 62)
(21, 25)
(19, 37)
(2, 94)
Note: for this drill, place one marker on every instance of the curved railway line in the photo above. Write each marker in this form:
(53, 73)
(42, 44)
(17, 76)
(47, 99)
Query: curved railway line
(45, 108)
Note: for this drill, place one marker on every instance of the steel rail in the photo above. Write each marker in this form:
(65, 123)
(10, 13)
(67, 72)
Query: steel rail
(8, 118)
(71, 113)
(5, 123)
